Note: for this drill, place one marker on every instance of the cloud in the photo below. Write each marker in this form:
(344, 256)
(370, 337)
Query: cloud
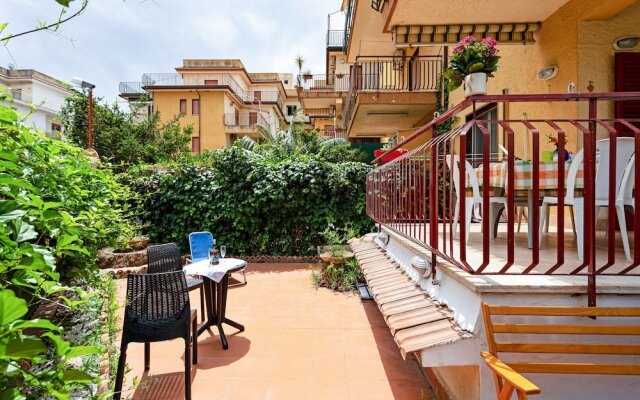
(116, 40)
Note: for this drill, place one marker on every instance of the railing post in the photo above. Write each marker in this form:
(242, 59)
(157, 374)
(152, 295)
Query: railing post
(433, 201)
(590, 198)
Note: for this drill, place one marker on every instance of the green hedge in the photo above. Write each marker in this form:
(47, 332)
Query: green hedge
(255, 205)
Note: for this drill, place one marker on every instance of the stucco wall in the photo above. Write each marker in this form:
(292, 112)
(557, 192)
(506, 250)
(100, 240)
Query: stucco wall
(581, 49)
(212, 135)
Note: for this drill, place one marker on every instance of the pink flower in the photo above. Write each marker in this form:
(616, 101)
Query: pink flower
(467, 40)
(489, 41)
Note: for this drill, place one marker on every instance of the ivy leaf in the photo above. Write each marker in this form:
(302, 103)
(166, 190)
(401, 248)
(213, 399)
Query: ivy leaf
(11, 307)
(25, 348)
(36, 323)
(77, 351)
(64, 2)
(74, 375)
(61, 345)
(11, 394)
(24, 231)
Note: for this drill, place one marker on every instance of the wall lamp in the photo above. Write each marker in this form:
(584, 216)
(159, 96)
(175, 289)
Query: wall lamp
(625, 43)
(548, 72)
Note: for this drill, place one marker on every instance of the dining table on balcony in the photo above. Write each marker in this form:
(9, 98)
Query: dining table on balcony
(216, 285)
(523, 183)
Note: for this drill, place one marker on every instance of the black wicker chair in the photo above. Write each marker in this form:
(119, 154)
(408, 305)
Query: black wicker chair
(158, 309)
(165, 258)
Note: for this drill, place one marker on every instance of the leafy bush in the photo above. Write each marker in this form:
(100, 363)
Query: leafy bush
(56, 211)
(255, 204)
(122, 138)
(339, 277)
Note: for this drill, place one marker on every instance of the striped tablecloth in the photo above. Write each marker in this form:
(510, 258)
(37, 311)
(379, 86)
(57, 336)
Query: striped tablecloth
(523, 179)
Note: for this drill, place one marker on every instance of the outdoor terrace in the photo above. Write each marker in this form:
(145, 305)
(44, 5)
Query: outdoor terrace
(437, 187)
(299, 343)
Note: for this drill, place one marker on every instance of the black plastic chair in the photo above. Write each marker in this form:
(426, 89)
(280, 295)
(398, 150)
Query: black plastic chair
(165, 258)
(158, 309)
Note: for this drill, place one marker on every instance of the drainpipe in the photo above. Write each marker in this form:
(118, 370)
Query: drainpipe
(200, 122)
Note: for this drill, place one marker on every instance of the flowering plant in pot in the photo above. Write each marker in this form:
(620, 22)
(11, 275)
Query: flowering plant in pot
(472, 62)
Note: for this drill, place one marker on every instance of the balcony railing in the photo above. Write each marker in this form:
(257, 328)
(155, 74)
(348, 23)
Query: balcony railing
(244, 120)
(324, 83)
(131, 88)
(319, 112)
(389, 74)
(430, 192)
(335, 38)
(253, 97)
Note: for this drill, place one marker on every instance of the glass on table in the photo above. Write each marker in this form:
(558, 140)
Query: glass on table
(223, 251)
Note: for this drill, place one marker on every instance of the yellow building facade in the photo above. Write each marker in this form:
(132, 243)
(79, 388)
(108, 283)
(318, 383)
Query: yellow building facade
(219, 98)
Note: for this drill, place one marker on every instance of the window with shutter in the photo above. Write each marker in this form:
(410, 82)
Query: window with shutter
(627, 80)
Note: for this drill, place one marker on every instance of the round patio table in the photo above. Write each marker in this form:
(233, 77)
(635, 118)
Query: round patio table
(216, 285)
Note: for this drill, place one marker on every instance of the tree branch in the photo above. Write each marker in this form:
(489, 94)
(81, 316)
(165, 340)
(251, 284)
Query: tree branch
(54, 26)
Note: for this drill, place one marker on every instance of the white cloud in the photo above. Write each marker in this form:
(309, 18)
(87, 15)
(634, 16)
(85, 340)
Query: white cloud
(116, 40)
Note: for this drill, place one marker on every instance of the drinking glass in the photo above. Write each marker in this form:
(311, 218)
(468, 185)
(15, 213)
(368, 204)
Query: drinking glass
(223, 251)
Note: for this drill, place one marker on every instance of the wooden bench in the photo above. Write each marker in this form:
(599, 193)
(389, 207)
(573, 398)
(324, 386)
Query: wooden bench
(507, 374)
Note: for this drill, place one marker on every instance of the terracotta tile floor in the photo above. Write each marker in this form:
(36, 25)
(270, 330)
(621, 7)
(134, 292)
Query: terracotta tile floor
(298, 343)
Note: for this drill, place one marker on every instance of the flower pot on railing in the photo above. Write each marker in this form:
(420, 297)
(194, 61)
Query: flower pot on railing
(307, 77)
(391, 156)
(475, 83)
(471, 63)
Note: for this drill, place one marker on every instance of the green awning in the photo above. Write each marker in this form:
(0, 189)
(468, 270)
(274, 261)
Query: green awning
(438, 35)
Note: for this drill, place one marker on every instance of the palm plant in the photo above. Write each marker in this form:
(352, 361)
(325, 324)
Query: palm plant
(293, 139)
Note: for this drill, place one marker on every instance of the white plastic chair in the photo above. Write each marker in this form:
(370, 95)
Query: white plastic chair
(623, 155)
(625, 198)
(453, 163)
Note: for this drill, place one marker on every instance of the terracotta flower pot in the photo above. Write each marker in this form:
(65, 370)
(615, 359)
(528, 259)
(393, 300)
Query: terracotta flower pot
(328, 258)
(139, 242)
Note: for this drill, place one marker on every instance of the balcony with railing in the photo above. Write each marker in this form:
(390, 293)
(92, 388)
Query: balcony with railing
(244, 120)
(131, 89)
(390, 74)
(324, 83)
(159, 80)
(431, 195)
(335, 39)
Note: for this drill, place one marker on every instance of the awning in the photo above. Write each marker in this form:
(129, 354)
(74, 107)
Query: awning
(415, 320)
(438, 35)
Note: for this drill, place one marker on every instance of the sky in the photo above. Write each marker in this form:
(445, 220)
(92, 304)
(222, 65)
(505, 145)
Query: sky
(119, 40)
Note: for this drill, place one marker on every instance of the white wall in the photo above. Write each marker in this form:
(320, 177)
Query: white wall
(463, 297)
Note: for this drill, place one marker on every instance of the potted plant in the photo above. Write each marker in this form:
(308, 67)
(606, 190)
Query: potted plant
(336, 251)
(339, 75)
(472, 62)
(307, 75)
(391, 156)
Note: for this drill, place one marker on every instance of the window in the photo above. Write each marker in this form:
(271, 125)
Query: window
(257, 96)
(56, 128)
(291, 110)
(17, 94)
(195, 145)
(183, 106)
(475, 138)
(195, 106)
(210, 82)
(253, 118)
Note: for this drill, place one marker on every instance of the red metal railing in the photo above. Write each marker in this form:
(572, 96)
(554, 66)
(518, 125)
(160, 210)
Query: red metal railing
(416, 195)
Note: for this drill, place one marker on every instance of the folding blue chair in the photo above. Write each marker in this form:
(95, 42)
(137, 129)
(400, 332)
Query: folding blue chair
(200, 244)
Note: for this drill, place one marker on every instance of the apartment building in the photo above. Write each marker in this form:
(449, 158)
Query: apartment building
(32, 88)
(219, 98)
(397, 51)
(561, 59)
